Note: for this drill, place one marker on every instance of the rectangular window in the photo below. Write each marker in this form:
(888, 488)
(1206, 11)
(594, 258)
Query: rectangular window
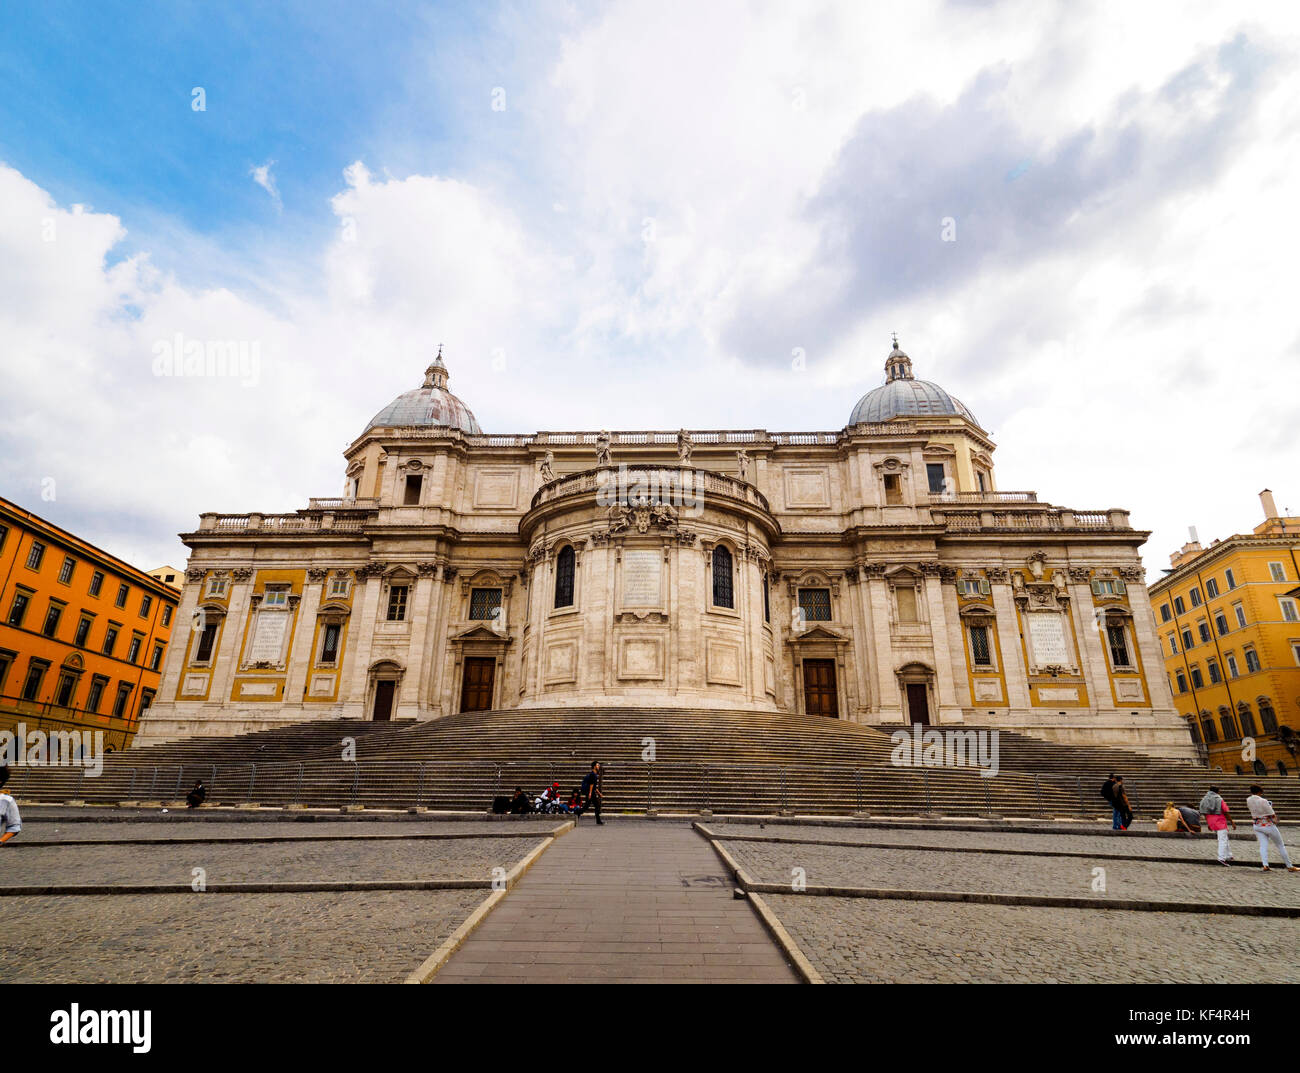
(329, 649)
(1195, 595)
(4, 532)
(1295, 651)
(35, 673)
(65, 571)
(275, 597)
(979, 476)
(1118, 639)
(217, 586)
(1187, 640)
(96, 693)
(67, 687)
(18, 609)
(35, 555)
(815, 604)
(973, 586)
(133, 652)
(110, 640)
(1221, 624)
(1173, 644)
(1104, 587)
(96, 582)
(1197, 681)
(411, 493)
(1278, 571)
(339, 586)
(167, 615)
(146, 605)
(1179, 607)
(146, 699)
(1289, 611)
(893, 489)
(981, 653)
(1231, 661)
(1230, 578)
(1165, 613)
(119, 705)
(1182, 681)
(1252, 661)
(123, 591)
(1203, 628)
(207, 639)
(397, 603)
(156, 662)
(938, 480)
(484, 603)
(1240, 612)
(906, 597)
(83, 631)
(1216, 675)
(1211, 588)
(767, 601)
(52, 619)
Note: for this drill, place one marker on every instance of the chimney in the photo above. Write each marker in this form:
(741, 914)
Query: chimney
(1270, 508)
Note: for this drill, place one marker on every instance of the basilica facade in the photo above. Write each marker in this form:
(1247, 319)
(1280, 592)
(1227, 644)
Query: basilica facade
(875, 574)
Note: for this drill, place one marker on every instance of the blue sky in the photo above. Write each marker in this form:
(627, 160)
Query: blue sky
(637, 215)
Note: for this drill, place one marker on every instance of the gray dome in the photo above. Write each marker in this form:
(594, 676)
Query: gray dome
(428, 406)
(902, 395)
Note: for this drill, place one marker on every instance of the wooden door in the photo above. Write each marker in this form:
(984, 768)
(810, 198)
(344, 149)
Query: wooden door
(918, 703)
(476, 692)
(384, 699)
(819, 695)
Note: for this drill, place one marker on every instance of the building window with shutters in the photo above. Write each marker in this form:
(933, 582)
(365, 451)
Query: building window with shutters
(1231, 661)
(1229, 725)
(1211, 588)
(1267, 717)
(34, 556)
(722, 578)
(1252, 661)
(1182, 681)
(1215, 675)
(1247, 720)
(1207, 729)
(565, 569)
(1179, 607)
(1197, 681)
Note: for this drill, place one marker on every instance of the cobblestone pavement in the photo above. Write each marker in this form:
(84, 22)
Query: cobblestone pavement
(860, 940)
(355, 937)
(62, 830)
(1200, 847)
(911, 869)
(469, 858)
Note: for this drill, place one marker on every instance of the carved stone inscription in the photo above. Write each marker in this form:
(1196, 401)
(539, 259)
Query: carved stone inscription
(268, 637)
(641, 578)
(1047, 639)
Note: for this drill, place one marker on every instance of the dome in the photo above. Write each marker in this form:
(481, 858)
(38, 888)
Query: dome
(428, 406)
(902, 395)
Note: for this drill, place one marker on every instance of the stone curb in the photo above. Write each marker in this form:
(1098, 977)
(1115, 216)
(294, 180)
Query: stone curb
(428, 969)
(1045, 901)
(779, 840)
(252, 840)
(114, 889)
(1037, 827)
(775, 928)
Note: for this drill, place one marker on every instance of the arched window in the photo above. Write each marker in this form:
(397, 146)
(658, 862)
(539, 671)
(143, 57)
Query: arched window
(564, 563)
(1281, 768)
(1247, 718)
(1267, 717)
(1229, 725)
(1207, 729)
(722, 593)
(1259, 768)
(1196, 731)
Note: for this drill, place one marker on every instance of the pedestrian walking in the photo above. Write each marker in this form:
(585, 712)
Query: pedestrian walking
(1122, 806)
(1218, 818)
(1108, 792)
(591, 794)
(1264, 821)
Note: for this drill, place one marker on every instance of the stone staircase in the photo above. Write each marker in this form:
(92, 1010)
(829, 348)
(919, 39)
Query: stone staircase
(727, 761)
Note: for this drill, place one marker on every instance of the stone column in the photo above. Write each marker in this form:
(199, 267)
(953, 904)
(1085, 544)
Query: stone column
(362, 627)
(178, 643)
(890, 704)
(945, 691)
(1014, 670)
(232, 638)
(408, 698)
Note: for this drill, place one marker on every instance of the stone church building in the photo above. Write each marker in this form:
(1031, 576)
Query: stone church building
(875, 574)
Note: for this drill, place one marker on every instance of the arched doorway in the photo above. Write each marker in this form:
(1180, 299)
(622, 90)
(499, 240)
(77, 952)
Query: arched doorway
(385, 676)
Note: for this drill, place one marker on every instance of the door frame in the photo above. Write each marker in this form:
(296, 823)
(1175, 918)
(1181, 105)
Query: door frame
(384, 670)
(494, 664)
(835, 683)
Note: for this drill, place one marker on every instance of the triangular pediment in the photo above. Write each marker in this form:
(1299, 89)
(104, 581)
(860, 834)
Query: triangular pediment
(480, 632)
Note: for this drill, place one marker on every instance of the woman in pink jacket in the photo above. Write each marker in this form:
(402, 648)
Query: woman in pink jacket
(1218, 818)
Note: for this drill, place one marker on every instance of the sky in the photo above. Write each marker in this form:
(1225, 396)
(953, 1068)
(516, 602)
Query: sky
(1079, 219)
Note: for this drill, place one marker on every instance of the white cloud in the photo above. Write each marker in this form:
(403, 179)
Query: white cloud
(261, 174)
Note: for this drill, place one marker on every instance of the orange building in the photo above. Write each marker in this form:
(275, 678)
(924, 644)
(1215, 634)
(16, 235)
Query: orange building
(82, 634)
(1228, 621)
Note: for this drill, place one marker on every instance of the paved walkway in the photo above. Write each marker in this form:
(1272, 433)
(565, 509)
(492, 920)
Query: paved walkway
(628, 902)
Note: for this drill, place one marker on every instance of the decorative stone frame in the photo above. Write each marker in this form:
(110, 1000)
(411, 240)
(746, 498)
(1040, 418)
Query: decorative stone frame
(383, 670)
(334, 613)
(488, 578)
(980, 614)
(821, 642)
(478, 640)
(941, 454)
(255, 610)
(552, 559)
(902, 576)
(893, 465)
(813, 579)
(737, 562)
(203, 615)
(1118, 616)
(914, 672)
(396, 576)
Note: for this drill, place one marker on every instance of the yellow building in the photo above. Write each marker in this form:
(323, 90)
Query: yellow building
(1228, 619)
(82, 634)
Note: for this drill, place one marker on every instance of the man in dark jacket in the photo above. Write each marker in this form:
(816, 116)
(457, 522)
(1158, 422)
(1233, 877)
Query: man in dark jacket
(590, 791)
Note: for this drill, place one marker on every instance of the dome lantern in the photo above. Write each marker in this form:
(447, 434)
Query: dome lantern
(431, 405)
(903, 395)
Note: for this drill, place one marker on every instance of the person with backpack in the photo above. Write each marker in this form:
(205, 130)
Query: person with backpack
(591, 794)
(1218, 817)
